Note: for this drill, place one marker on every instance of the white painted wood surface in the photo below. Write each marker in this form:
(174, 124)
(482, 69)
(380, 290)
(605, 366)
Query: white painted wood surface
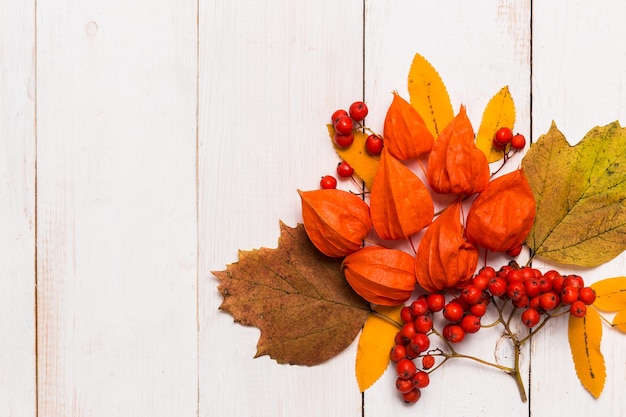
(143, 143)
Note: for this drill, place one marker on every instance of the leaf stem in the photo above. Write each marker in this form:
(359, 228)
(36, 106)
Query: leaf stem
(387, 318)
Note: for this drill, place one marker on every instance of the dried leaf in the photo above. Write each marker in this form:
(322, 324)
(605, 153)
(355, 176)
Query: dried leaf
(364, 164)
(455, 165)
(581, 196)
(335, 220)
(585, 335)
(400, 204)
(502, 215)
(406, 135)
(375, 342)
(296, 296)
(619, 321)
(380, 275)
(500, 112)
(428, 95)
(444, 258)
(610, 294)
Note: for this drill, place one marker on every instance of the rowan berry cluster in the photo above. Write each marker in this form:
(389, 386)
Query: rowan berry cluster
(504, 136)
(511, 290)
(345, 122)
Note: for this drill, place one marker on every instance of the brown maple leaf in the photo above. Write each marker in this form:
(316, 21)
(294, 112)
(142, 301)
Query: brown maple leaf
(296, 296)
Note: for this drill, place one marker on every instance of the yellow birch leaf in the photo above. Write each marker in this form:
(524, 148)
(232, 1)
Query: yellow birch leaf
(619, 321)
(610, 294)
(500, 112)
(428, 95)
(375, 343)
(364, 164)
(585, 335)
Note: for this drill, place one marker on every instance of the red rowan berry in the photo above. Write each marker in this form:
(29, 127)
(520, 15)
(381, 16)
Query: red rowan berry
(421, 379)
(515, 290)
(453, 333)
(435, 301)
(404, 385)
(397, 353)
(534, 303)
(503, 135)
(569, 294)
(549, 301)
(453, 311)
(471, 294)
(337, 114)
(400, 339)
(481, 281)
(343, 125)
(408, 330)
(358, 110)
(406, 368)
(587, 295)
(428, 361)
(374, 145)
(531, 287)
(470, 323)
(410, 352)
(522, 302)
(412, 396)
(515, 251)
(419, 306)
(328, 182)
(545, 284)
(488, 271)
(344, 170)
(405, 314)
(530, 317)
(480, 308)
(423, 323)
(419, 342)
(497, 286)
(518, 142)
(557, 283)
(573, 281)
(578, 309)
(515, 275)
(343, 141)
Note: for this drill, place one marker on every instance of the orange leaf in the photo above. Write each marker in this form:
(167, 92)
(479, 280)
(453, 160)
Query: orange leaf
(400, 203)
(455, 165)
(619, 321)
(377, 339)
(382, 276)
(406, 135)
(610, 294)
(500, 112)
(444, 258)
(585, 335)
(428, 95)
(364, 164)
(335, 220)
(502, 215)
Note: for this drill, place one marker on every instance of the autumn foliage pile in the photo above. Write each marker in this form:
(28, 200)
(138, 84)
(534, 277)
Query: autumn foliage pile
(432, 204)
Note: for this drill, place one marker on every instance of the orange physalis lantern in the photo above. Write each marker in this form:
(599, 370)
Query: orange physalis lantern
(336, 221)
(501, 216)
(456, 165)
(445, 259)
(400, 202)
(406, 135)
(380, 275)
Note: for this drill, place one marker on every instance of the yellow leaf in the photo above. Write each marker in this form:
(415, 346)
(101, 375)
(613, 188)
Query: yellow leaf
(428, 95)
(375, 343)
(610, 294)
(364, 164)
(619, 321)
(500, 112)
(585, 335)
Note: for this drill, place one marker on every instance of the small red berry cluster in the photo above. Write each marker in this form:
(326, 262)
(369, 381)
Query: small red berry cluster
(504, 136)
(529, 290)
(344, 123)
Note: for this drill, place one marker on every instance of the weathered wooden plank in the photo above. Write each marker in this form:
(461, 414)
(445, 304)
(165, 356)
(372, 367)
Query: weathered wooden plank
(270, 76)
(116, 204)
(17, 199)
(478, 47)
(578, 73)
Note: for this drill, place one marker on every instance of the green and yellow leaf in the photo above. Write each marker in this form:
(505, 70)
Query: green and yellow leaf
(585, 335)
(364, 164)
(500, 112)
(375, 343)
(429, 96)
(610, 294)
(581, 196)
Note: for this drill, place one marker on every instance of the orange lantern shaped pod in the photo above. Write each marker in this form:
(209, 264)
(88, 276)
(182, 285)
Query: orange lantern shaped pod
(406, 135)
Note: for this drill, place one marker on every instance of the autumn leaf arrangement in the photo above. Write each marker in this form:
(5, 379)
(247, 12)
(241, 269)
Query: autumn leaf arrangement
(402, 262)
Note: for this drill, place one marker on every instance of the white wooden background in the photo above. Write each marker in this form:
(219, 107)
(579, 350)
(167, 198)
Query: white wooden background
(143, 142)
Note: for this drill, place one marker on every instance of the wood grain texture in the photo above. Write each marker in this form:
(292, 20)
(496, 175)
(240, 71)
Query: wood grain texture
(17, 197)
(578, 82)
(116, 208)
(270, 76)
(477, 48)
